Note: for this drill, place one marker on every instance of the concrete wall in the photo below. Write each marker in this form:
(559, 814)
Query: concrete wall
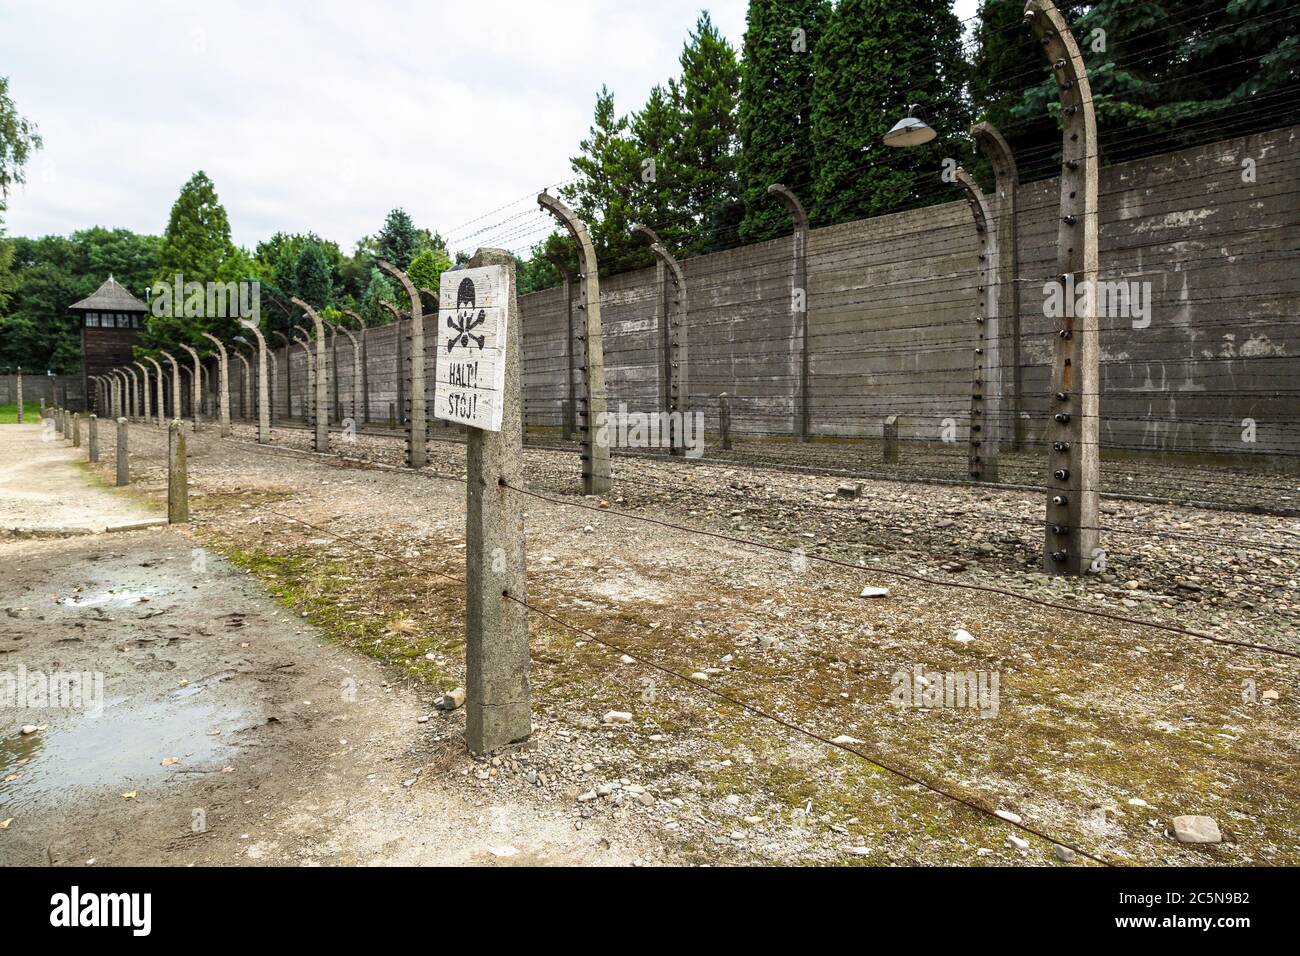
(63, 388)
(892, 300)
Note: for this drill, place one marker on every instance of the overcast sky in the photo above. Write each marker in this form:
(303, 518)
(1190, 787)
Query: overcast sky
(321, 116)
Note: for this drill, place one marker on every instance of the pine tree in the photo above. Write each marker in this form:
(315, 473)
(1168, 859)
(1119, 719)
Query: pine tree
(312, 277)
(661, 185)
(609, 175)
(875, 59)
(707, 98)
(774, 115)
(399, 240)
(377, 289)
(197, 239)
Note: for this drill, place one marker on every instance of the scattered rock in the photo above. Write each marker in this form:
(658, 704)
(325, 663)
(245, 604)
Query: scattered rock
(845, 739)
(1197, 829)
(1018, 842)
(962, 637)
(1065, 854)
(1008, 815)
(451, 700)
(874, 592)
(618, 717)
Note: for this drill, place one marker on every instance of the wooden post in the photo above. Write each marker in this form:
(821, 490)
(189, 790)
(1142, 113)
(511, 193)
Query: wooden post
(591, 410)
(724, 420)
(1073, 469)
(417, 433)
(986, 377)
(178, 492)
(566, 418)
(1006, 177)
(123, 467)
(889, 439)
(392, 414)
(76, 429)
(497, 697)
(92, 451)
(801, 336)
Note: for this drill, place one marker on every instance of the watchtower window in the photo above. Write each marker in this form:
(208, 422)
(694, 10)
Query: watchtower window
(92, 320)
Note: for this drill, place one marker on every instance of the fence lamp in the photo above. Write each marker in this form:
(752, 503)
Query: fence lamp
(911, 130)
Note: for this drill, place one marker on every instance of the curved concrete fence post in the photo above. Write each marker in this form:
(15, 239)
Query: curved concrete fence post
(160, 402)
(399, 361)
(570, 396)
(1073, 470)
(321, 410)
(986, 379)
(334, 371)
(145, 409)
(673, 395)
(417, 435)
(1006, 182)
(365, 367)
(245, 384)
(265, 393)
(800, 337)
(356, 373)
(196, 386)
(308, 409)
(132, 387)
(176, 385)
(223, 385)
(288, 378)
(592, 410)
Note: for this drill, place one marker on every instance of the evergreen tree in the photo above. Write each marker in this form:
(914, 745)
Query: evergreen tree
(1008, 58)
(661, 184)
(875, 58)
(706, 99)
(312, 277)
(398, 241)
(604, 196)
(377, 289)
(427, 267)
(774, 115)
(197, 239)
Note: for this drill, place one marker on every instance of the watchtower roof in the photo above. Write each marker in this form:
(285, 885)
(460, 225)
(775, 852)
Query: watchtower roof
(109, 297)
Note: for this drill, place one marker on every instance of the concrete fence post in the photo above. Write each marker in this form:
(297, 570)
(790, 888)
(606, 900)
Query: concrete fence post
(497, 696)
(392, 414)
(571, 354)
(672, 339)
(196, 386)
(178, 492)
(724, 420)
(160, 393)
(145, 410)
(889, 439)
(176, 384)
(417, 435)
(123, 466)
(1006, 181)
(92, 451)
(76, 429)
(800, 334)
(223, 385)
(265, 390)
(363, 395)
(245, 386)
(309, 404)
(288, 378)
(1073, 470)
(592, 408)
(399, 362)
(20, 395)
(986, 412)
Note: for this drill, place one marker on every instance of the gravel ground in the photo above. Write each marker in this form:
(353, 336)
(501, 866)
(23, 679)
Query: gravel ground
(1104, 729)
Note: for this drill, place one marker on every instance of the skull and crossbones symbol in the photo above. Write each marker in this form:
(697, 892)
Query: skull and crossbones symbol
(465, 321)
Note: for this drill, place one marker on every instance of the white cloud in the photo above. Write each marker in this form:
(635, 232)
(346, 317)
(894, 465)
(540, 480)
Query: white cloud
(322, 116)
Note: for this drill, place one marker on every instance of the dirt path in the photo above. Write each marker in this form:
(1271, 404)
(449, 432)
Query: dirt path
(44, 488)
(227, 730)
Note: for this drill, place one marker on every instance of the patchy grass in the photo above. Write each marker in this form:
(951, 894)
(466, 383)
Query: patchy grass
(9, 413)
